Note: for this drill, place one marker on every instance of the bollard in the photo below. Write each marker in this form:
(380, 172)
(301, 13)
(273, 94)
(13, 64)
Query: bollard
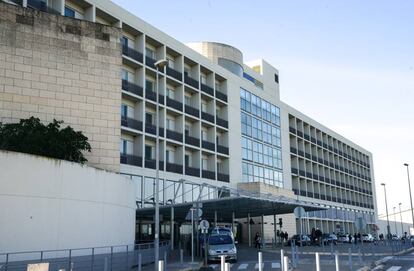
(181, 256)
(71, 266)
(160, 265)
(139, 262)
(227, 267)
(350, 258)
(297, 256)
(223, 262)
(332, 251)
(293, 255)
(282, 257)
(285, 263)
(318, 265)
(106, 264)
(260, 261)
(336, 261)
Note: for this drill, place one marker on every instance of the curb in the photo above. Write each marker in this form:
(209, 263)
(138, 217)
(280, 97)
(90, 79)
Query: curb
(382, 261)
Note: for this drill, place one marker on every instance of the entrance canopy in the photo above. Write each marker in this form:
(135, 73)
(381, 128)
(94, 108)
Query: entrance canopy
(231, 201)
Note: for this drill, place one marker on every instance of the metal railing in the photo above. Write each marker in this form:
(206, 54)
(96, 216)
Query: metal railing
(123, 257)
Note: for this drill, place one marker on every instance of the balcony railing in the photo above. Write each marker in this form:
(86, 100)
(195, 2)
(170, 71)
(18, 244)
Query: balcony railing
(222, 122)
(42, 6)
(130, 87)
(151, 95)
(129, 52)
(151, 129)
(208, 145)
(150, 163)
(207, 89)
(222, 149)
(192, 171)
(208, 174)
(192, 140)
(174, 104)
(190, 81)
(207, 116)
(221, 96)
(131, 160)
(223, 177)
(150, 62)
(192, 111)
(174, 135)
(175, 74)
(176, 168)
(131, 123)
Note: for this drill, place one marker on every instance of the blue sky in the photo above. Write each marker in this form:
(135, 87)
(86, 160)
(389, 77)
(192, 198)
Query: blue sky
(348, 64)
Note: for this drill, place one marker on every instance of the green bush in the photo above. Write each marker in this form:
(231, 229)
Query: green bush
(32, 136)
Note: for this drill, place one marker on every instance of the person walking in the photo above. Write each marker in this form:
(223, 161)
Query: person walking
(258, 241)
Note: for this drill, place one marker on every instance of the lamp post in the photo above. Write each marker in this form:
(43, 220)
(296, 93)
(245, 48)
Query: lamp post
(386, 209)
(409, 190)
(395, 221)
(159, 65)
(402, 228)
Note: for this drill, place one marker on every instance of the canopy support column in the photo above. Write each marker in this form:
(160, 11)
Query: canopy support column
(249, 229)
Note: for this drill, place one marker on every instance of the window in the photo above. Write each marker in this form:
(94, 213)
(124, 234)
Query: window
(170, 93)
(170, 124)
(204, 163)
(126, 146)
(170, 62)
(127, 111)
(69, 12)
(276, 78)
(149, 152)
(149, 52)
(187, 99)
(124, 75)
(149, 85)
(124, 41)
(149, 117)
(170, 154)
(204, 106)
(203, 79)
(204, 135)
(187, 160)
(187, 130)
(219, 166)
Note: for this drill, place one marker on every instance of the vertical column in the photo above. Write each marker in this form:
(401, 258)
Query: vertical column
(232, 223)
(274, 229)
(215, 218)
(262, 233)
(249, 230)
(172, 229)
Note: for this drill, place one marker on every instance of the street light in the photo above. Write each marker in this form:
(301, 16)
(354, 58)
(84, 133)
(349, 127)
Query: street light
(409, 190)
(159, 65)
(395, 221)
(386, 209)
(402, 228)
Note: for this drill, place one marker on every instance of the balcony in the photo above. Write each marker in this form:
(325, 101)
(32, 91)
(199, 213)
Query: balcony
(151, 95)
(222, 122)
(221, 96)
(306, 136)
(192, 140)
(208, 174)
(295, 171)
(207, 89)
(174, 74)
(131, 160)
(150, 163)
(192, 171)
(174, 135)
(132, 88)
(192, 111)
(293, 150)
(208, 145)
(190, 81)
(208, 117)
(299, 133)
(174, 104)
(129, 52)
(40, 5)
(176, 168)
(131, 123)
(222, 149)
(151, 129)
(150, 62)
(223, 177)
(303, 193)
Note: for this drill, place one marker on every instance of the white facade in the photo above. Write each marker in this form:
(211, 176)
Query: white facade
(49, 204)
(216, 91)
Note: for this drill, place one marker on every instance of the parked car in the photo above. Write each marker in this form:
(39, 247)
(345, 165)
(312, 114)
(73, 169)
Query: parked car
(395, 237)
(221, 244)
(329, 238)
(306, 241)
(368, 238)
(344, 238)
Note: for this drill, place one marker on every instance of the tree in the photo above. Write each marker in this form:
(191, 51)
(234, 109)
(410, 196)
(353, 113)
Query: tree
(32, 136)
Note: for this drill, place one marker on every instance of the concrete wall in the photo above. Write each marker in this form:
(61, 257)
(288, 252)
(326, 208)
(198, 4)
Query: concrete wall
(54, 67)
(395, 227)
(50, 204)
